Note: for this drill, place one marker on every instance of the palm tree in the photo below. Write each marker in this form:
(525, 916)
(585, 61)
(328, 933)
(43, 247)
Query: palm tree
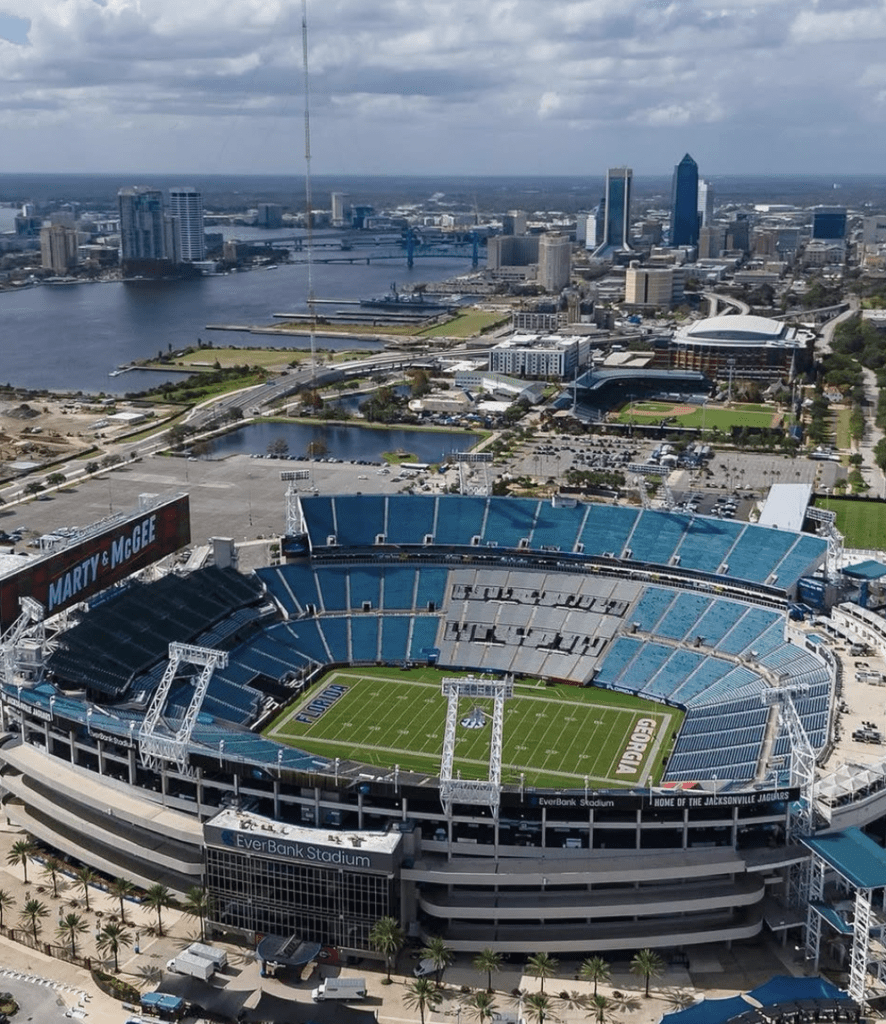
(487, 961)
(386, 937)
(52, 867)
(86, 877)
(32, 912)
(483, 1006)
(647, 964)
(439, 954)
(600, 1005)
(541, 966)
(111, 939)
(594, 969)
(69, 927)
(157, 897)
(121, 888)
(538, 1006)
(20, 853)
(422, 994)
(7, 902)
(198, 903)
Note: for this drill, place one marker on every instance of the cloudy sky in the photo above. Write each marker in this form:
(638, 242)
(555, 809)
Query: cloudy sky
(443, 86)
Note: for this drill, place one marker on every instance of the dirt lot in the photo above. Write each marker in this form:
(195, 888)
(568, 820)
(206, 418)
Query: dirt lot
(47, 429)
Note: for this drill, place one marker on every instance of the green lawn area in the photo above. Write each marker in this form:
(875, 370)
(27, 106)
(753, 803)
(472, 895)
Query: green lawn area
(464, 325)
(709, 417)
(555, 736)
(205, 359)
(862, 523)
(841, 429)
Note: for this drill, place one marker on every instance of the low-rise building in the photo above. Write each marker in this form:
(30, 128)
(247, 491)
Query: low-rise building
(539, 356)
(499, 384)
(654, 286)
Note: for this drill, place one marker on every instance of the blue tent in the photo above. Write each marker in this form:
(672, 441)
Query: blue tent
(709, 1011)
(785, 989)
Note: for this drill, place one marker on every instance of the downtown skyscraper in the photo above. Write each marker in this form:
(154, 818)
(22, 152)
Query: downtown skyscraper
(186, 207)
(684, 203)
(617, 215)
(143, 226)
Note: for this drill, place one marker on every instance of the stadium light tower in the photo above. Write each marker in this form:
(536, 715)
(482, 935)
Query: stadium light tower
(804, 886)
(454, 789)
(466, 482)
(29, 624)
(295, 519)
(643, 470)
(827, 524)
(156, 747)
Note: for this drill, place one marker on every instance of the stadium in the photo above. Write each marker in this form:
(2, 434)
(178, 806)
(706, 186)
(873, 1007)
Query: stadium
(518, 724)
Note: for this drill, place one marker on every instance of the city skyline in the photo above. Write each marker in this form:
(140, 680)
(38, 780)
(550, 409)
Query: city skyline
(143, 86)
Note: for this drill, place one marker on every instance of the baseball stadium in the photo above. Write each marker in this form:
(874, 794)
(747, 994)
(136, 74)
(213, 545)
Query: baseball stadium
(513, 723)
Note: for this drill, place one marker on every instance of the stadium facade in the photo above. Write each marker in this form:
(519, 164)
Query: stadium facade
(746, 346)
(137, 748)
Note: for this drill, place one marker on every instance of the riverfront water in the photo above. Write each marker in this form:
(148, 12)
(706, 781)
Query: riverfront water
(71, 337)
(345, 442)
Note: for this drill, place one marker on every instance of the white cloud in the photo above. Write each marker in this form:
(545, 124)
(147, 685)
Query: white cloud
(549, 104)
(410, 77)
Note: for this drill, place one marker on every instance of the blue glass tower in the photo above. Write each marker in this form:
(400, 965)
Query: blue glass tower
(617, 213)
(684, 203)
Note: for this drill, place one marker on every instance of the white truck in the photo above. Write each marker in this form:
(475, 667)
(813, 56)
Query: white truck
(195, 966)
(218, 956)
(339, 988)
(424, 967)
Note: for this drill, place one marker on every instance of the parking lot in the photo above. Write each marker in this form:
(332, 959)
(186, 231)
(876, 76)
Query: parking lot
(744, 477)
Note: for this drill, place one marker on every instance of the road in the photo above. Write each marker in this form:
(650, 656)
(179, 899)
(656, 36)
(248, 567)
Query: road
(249, 401)
(715, 300)
(872, 473)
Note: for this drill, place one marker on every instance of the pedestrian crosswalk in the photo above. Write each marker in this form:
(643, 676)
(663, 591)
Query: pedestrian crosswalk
(35, 979)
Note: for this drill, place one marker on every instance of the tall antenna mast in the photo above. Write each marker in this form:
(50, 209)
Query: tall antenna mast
(309, 209)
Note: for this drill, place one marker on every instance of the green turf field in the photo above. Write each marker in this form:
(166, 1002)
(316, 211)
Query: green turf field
(555, 736)
(862, 523)
(710, 417)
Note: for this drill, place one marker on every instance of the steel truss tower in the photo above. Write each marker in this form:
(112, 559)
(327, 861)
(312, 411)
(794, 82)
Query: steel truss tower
(848, 893)
(28, 626)
(156, 747)
(455, 790)
(295, 519)
(467, 484)
(645, 469)
(827, 521)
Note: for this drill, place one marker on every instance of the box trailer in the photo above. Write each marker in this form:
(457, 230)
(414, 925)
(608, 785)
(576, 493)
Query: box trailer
(218, 956)
(195, 966)
(339, 988)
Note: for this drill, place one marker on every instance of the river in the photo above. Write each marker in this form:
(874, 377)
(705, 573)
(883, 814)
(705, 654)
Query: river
(71, 337)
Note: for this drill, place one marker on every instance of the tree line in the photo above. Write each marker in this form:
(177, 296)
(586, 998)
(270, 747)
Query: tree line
(423, 994)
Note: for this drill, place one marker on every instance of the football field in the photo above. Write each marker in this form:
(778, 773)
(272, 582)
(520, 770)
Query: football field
(553, 735)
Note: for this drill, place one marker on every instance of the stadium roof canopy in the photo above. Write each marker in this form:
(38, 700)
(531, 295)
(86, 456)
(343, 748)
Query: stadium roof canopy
(867, 570)
(593, 380)
(853, 855)
(741, 330)
(784, 989)
(709, 1011)
(785, 507)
